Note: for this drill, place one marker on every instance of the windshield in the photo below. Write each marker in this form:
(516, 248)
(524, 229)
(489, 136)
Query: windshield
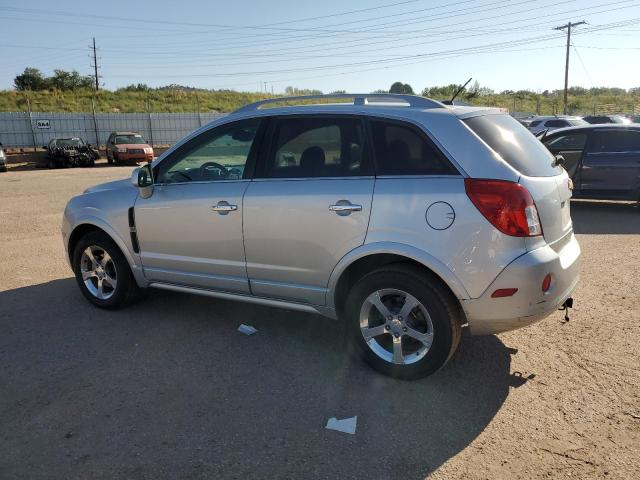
(69, 142)
(129, 139)
(515, 144)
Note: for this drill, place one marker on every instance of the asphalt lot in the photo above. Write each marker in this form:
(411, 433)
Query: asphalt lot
(169, 389)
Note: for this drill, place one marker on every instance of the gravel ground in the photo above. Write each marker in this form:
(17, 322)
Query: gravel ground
(169, 389)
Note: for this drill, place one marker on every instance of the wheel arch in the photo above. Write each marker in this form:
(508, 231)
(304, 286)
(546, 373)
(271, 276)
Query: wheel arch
(96, 225)
(369, 257)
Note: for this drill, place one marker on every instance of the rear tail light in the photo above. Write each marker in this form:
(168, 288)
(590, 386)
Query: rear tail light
(507, 205)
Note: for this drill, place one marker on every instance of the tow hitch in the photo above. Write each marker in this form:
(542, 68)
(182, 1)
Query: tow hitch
(568, 303)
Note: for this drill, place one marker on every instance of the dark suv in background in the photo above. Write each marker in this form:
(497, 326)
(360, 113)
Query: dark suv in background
(598, 119)
(602, 160)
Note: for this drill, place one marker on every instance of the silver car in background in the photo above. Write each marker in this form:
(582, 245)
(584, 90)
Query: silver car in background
(552, 122)
(405, 218)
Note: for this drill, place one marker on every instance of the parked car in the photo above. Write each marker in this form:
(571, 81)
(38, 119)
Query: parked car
(401, 216)
(3, 159)
(128, 146)
(602, 160)
(70, 152)
(550, 123)
(598, 119)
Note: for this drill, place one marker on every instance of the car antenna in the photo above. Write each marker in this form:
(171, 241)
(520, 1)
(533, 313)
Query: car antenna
(458, 91)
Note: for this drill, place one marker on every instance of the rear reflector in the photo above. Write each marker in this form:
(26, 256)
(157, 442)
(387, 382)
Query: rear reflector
(504, 292)
(507, 205)
(546, 283)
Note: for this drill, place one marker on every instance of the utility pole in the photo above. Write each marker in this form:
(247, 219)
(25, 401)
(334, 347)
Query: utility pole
(566, 66)
(95, 65)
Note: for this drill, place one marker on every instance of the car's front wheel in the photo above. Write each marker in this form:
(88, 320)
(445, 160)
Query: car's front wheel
(403, 322)
(102, 271)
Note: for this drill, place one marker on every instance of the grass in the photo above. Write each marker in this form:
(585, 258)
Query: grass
(225, 101)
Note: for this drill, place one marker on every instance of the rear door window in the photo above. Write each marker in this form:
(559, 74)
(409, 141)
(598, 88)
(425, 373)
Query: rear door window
(515, 144)
(401, 149)
(615, 141)
(304, 147)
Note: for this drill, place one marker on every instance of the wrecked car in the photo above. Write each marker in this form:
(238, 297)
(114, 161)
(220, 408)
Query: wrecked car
(70, 152)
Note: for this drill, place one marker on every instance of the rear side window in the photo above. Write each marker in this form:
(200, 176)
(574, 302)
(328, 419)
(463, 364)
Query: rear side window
(515, 144)
(615, 141)
(317, 147)
(403, 150)
(556, 123)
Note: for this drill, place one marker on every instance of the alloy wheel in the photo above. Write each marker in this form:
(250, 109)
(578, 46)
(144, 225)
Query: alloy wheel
(396, 326)
(98, 272)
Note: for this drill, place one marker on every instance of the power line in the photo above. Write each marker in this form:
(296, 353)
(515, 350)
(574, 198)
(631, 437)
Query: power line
(583, 66)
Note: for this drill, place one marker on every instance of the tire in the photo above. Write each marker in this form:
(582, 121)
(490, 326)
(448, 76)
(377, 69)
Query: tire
(109, 158)
(427, 336)
(103, 274)
(51, 163)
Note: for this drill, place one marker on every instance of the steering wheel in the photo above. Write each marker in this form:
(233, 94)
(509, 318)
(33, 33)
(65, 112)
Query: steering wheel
(224, 172)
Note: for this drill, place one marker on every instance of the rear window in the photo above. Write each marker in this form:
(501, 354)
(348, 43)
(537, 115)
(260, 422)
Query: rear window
(515, 144)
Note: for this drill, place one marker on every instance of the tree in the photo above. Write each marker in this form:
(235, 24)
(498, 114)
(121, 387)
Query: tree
(30, 79)
(293, 91)
(399, 87)
(63, 80)
(140, 87)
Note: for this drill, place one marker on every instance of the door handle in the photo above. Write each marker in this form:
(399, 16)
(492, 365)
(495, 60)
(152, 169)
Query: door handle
(223, 208)
(344, 207)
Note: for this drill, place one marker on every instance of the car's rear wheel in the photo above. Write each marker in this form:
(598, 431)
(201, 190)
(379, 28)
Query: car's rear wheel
(403, 322)
(102, 272)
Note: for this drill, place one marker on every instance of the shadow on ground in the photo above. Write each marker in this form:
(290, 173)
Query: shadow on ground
(604, 217)
(169, 389)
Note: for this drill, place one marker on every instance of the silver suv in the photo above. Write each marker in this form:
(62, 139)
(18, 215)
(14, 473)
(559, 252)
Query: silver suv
(405, 218)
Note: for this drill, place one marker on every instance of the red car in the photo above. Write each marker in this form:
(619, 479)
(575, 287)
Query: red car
(127, 146)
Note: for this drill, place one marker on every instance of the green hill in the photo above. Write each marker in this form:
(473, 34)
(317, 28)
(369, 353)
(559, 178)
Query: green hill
(581, 101)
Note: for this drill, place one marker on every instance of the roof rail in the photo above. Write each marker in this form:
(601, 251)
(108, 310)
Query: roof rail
(392, 99)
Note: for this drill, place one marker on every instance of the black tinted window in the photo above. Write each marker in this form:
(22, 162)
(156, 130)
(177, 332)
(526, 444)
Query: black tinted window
(535, 123)
(402, 150)
(615, 141)
(316, 147)
(556, 123)
(514, 144)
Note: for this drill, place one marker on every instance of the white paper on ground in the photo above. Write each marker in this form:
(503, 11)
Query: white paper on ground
(246, 329)
(346, 425)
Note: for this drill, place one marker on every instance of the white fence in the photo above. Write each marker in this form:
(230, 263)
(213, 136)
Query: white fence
(19, 129)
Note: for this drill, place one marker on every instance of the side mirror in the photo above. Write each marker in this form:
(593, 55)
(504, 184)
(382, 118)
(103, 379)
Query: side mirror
(142, 178)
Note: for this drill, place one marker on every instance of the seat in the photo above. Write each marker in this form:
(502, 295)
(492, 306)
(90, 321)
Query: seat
(312, 162)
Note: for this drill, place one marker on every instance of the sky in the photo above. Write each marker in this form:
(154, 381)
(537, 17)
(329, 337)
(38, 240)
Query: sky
(357, 46)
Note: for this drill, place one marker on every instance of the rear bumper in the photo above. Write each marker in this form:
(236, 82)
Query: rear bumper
(487, 315)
